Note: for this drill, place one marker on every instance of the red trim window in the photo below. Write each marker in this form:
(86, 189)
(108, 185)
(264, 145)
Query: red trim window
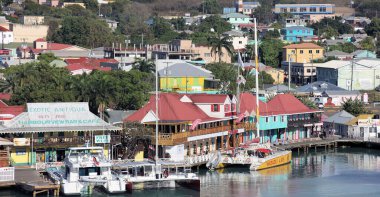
(214, 107)
(233, 107)
(227, 108)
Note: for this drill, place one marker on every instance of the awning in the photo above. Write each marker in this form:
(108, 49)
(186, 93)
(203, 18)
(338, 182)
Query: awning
(59, 129)
(5, 142)
(263, 150)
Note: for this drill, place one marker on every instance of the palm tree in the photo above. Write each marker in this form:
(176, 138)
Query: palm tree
(144, 65)
(217, 43)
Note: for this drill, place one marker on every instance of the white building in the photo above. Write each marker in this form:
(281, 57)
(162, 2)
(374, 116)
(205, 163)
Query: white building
(239, 39)
(6, 35)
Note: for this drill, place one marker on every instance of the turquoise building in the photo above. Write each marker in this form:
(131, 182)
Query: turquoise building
(297, 33)
(236, 19)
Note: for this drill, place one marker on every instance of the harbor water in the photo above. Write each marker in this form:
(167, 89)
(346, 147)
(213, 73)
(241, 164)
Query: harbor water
(342, 172)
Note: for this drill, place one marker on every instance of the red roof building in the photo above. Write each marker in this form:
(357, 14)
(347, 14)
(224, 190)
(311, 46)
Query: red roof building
(9, 112)
(288, 104)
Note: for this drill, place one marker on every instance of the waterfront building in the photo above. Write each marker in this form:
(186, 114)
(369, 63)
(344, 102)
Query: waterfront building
(46, 130)
(364, 126)
(300, 121)
(338, 123)
(247, 7)
(302, 53)
(297, 34)
(195, 124)
(357, 74)
(187, 78)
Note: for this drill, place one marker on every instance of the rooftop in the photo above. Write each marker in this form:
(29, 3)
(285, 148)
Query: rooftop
(234, 15)
(303, 46)
(341, 117)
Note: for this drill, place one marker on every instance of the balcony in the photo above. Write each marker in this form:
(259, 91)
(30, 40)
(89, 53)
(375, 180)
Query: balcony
(302, 123)
(171, 139)
(77, 140)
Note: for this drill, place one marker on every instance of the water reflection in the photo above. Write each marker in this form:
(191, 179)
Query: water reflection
(344, 172)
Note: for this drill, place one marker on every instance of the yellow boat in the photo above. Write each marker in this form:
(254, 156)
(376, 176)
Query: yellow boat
(257, 158)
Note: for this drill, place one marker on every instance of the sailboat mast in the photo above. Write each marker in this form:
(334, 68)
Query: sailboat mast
(257, 82)
(238, 89)
(156, 151)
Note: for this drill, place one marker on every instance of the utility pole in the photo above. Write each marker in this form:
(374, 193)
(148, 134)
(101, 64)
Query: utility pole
(352, 72)
(166, 73)
(312, 66)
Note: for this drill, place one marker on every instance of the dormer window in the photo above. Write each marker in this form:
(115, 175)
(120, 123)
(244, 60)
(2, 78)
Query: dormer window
(214, 107)
(227, 108)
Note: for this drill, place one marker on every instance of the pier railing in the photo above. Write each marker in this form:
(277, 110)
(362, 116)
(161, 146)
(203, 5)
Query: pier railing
(198, 159)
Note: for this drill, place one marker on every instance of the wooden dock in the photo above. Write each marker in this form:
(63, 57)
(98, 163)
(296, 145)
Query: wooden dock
(31, 181)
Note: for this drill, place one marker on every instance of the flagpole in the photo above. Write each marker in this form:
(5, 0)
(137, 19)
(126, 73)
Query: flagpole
(257, 82)
(156, 151)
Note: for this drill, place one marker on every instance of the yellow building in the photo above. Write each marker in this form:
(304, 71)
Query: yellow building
(302, 53)
(277, 74)
(186, 77)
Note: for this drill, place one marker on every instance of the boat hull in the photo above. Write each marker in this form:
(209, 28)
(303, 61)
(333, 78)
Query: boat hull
(282, 158)
(194, 184)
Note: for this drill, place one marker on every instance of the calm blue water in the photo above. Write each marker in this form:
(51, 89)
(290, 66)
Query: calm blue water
(346, 172)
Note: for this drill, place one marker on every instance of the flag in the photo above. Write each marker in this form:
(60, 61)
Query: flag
(195, 124)
(240, 61)
(240, 80)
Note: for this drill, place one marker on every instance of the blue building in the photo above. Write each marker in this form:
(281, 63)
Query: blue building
(297, 33)
(363, 54)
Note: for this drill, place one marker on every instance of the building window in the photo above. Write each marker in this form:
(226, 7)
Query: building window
(284, 10)
(282, 118)
(233, 107)
(227, 108)
(293, 10)
(322, 9)
(214, 107)
(317, 51)
(310, 51)
(313, 70)
(290, 31)
(313, 9)
(20, 151)
(303, 9)
(266, 119)
(301, 51)
(308, 70)
(207, 54)
(293, 51)
(275, 119)
(240, 42)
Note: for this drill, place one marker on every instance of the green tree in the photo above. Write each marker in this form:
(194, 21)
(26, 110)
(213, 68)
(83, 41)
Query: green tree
(345, 47)
(264, 13)
(329, 32)
(47, 57)
(307, 101)
(342, 28)
(162, 30)
(271, 51)
(272, 34)
(354, 107)
(218, 43)
(214, 22)
(368, 43)
(144, 65)
(210, 7)
(86, 32)
(374, 27)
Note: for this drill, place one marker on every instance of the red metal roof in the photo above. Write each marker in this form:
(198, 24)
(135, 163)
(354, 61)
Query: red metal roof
(208, 98)
(287, 104)
(5, 96)
(3, 29)
(40, 40)
(248, 104)
(57, 46)
(6, 110)
(90, 61)
(170, 109)
(78, 66)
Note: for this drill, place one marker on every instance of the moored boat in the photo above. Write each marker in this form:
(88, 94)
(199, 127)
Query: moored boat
(85, 168)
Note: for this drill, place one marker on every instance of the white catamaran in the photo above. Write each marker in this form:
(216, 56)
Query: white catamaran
(85, 168)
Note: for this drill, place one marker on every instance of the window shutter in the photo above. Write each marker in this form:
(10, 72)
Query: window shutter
(212, 107)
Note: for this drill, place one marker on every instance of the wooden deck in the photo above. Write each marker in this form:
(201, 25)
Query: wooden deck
(32, 181)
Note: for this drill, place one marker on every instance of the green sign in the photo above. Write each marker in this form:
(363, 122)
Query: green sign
(102, 139)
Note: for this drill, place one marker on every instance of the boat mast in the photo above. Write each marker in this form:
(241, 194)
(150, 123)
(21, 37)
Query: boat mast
(257, 82)
(156, 152)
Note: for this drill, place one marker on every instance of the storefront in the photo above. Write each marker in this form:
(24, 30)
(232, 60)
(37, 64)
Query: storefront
(46, 130)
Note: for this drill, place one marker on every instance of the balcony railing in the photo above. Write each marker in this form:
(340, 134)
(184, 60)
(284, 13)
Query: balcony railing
(171, 139)
(301, 123)
(77, 140)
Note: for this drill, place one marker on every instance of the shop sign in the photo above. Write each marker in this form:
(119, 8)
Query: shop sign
(102, 139)
(21, 141)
